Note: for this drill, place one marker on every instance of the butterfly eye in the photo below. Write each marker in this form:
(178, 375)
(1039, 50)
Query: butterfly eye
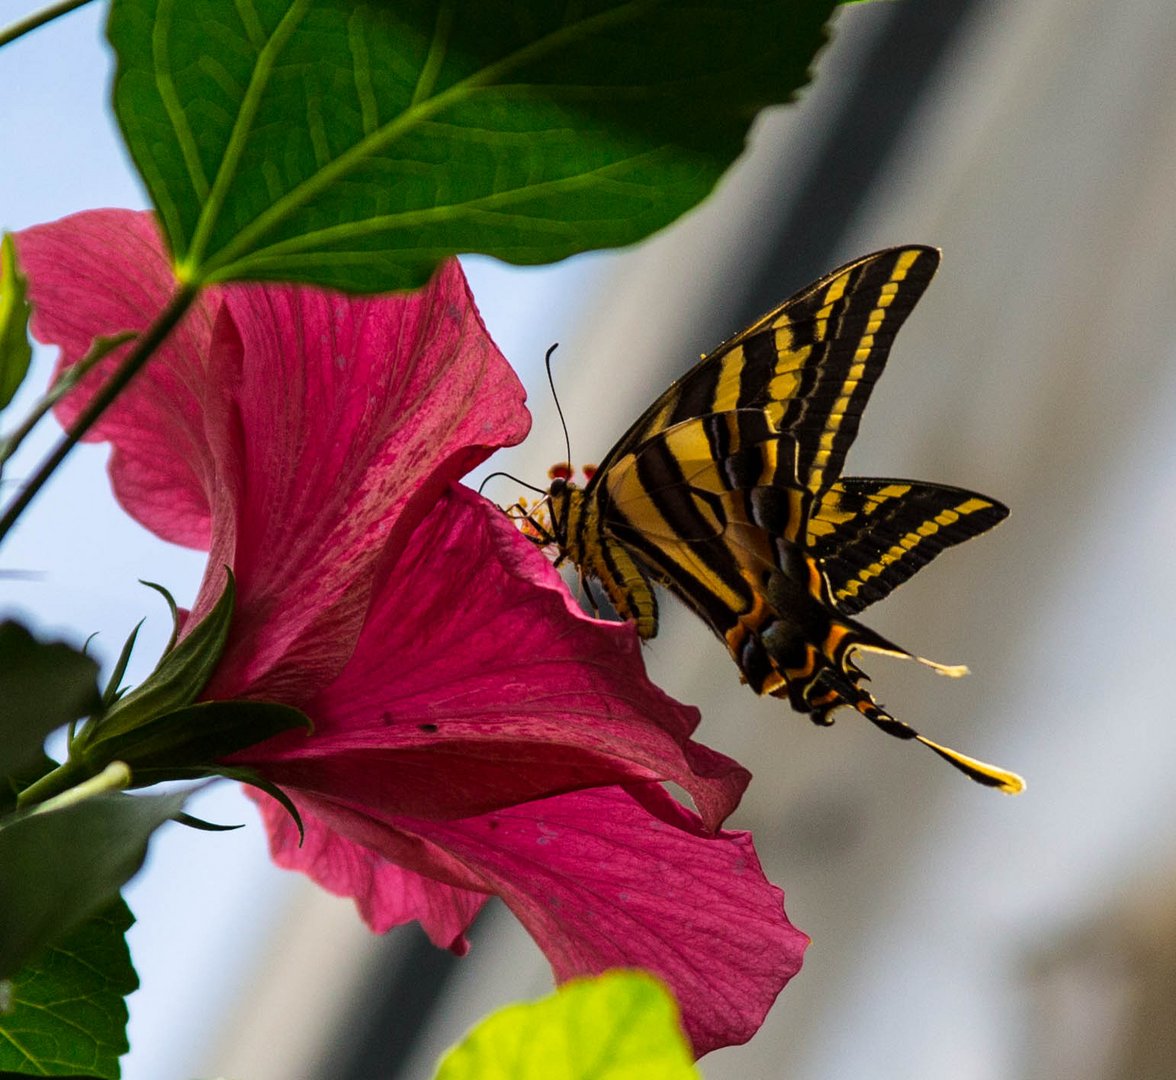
(561, 470)
(558, 485)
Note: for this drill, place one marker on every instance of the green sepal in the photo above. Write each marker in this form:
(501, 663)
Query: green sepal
(195, 737)
(15, 351)
(173, 607)
(113, 692)
(19, 779)
(67, 1013)
(201, 825)
(248, 776)
(43, 686)
(59, 867)
(176, 682)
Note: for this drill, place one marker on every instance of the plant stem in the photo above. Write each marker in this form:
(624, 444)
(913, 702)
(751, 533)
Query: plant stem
(115, 777)
(38, 18)
(148, 342)
(52, 783)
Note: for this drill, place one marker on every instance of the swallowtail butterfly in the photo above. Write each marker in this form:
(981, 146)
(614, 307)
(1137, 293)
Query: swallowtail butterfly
(728, 492)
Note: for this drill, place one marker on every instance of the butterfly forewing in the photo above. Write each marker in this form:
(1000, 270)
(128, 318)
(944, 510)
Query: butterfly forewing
(811, 362)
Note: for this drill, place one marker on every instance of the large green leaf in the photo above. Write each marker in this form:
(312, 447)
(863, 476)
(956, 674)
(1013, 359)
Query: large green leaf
(622, 1025)
(59, 867)
(355, 144)
(67, 1015)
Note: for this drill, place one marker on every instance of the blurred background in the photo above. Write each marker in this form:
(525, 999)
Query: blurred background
(956, 933)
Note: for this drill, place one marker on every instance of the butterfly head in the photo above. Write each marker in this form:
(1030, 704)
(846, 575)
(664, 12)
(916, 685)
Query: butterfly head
(564, 500)
(547, 521)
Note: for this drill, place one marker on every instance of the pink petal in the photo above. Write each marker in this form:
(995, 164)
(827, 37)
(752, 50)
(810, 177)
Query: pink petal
(386, 894)
(599, 883)
(358, 411)
(303, 430)
(476, 683)
(99, 273)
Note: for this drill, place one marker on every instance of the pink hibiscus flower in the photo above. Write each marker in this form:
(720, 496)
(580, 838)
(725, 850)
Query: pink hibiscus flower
(474, 733)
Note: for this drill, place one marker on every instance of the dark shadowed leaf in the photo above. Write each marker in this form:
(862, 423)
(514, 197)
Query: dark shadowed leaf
(355, 144)
(60, 867)
(42, 687)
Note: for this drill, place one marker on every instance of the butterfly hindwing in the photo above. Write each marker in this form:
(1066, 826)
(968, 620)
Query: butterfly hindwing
(871, 535)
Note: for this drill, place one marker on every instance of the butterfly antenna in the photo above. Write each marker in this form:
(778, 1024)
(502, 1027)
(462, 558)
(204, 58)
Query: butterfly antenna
(555, 398)
(510, 476)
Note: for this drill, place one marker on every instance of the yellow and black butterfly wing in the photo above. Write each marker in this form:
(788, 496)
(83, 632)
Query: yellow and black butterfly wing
(727, 490)
(871, 535)
(686, 499)
(810, 363)
(711, 509)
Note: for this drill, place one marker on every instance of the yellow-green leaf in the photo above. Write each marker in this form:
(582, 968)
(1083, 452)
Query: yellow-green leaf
(622, 1025)
(15, 352)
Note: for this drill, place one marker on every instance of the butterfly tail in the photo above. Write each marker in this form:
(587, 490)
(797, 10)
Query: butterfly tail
(833, 680)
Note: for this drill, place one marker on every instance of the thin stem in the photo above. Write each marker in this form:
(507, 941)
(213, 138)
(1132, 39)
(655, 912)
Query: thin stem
(148, 342)
(39, 18)
(66, 381)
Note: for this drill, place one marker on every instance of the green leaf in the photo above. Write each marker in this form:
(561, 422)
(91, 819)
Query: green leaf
(43, 686)
(68, 1015)
(354, 144)
(59, 867)
(622, 1025)
(15, 351)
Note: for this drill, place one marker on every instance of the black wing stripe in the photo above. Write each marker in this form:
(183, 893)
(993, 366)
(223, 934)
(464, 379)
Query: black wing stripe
(718, 597)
